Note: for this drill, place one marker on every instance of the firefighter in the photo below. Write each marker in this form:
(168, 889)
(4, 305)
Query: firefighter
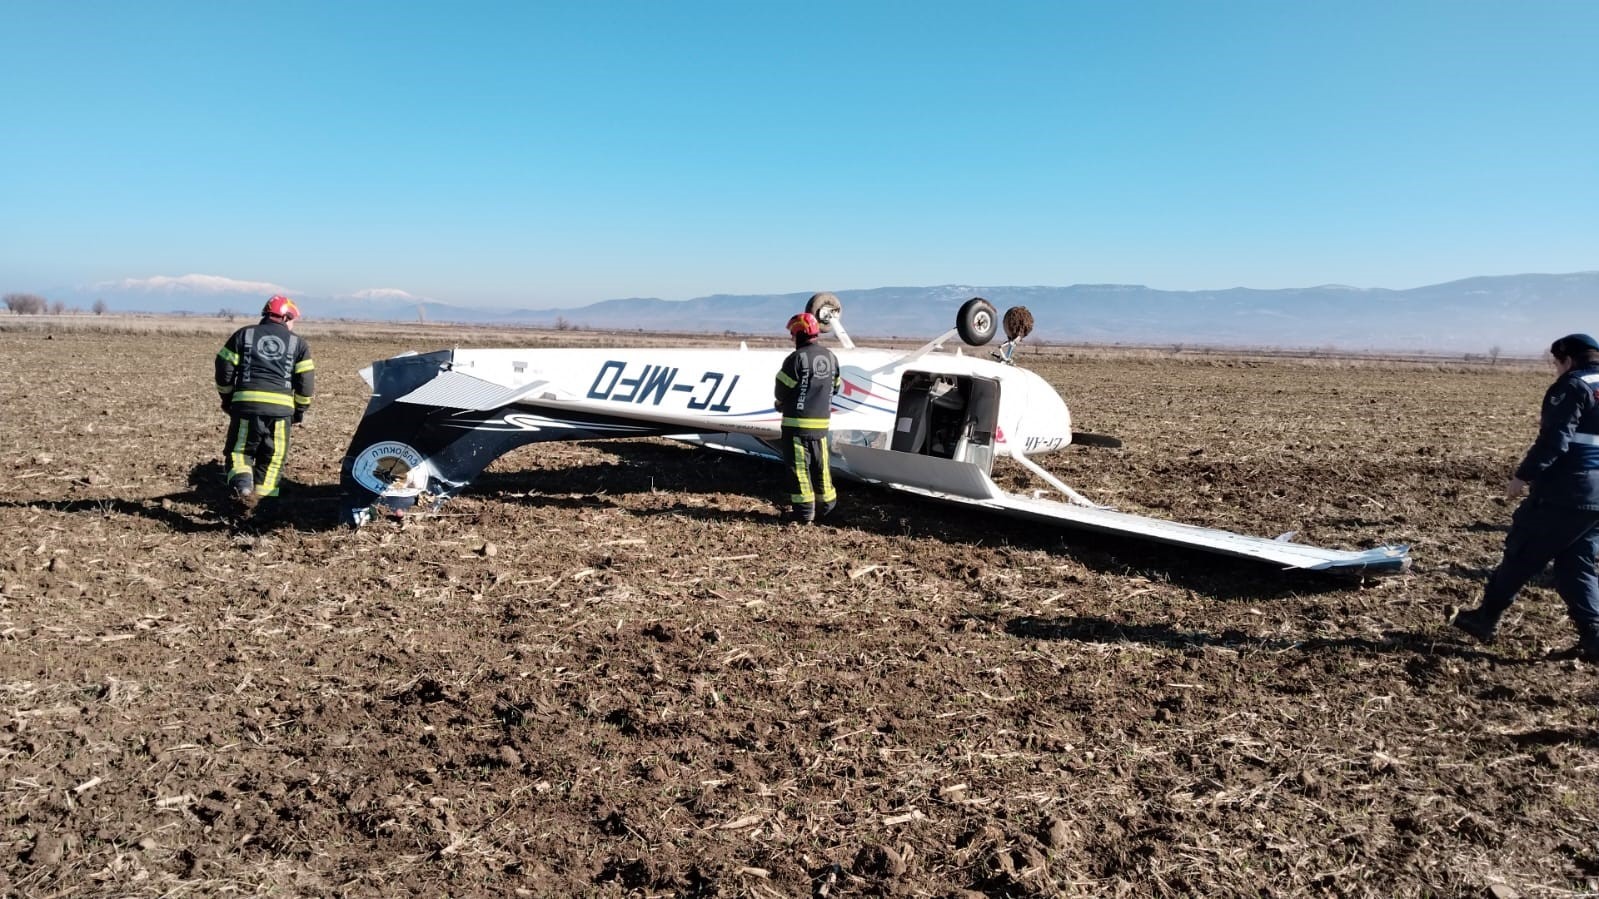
(1559, 519)
(805, 387)
(266, 379)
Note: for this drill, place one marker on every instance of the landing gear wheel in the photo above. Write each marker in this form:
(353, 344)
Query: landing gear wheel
(826, 308)
(976, 321)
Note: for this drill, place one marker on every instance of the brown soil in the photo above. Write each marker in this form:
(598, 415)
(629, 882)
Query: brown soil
(608, 671)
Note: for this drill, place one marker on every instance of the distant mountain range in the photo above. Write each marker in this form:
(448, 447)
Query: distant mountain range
(1513, 314)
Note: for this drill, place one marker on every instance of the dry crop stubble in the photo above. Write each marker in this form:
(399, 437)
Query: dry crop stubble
(608, 671)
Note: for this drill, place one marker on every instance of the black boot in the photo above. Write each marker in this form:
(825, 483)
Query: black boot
(1477, 623)
(1588, 647)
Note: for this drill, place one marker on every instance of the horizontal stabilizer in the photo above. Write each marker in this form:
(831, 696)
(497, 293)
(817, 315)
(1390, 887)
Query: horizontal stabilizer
(455, 390)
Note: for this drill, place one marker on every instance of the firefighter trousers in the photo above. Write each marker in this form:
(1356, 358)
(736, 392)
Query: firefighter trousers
(257, 446)
(810, 474)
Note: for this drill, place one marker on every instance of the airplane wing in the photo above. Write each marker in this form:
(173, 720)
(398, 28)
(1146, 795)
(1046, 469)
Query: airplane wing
(964, 484)
(1381, 560)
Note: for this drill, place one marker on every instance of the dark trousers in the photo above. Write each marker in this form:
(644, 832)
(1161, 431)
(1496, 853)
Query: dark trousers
(256, 448)
(1541, 533)
(810, 475)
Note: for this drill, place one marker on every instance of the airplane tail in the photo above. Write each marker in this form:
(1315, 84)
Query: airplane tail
(430, 430)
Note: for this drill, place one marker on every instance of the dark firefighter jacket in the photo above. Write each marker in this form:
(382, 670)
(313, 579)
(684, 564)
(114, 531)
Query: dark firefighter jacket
(805, 387)
(265, 369)
(1563, 464)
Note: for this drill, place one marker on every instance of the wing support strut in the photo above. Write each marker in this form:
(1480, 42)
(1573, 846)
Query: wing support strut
(1076, 498)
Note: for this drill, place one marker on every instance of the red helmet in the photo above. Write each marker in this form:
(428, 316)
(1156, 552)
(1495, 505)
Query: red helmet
(804, 324)
(282, 307)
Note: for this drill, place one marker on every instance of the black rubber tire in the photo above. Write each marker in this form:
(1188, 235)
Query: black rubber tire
(826, 307)
(977, 321)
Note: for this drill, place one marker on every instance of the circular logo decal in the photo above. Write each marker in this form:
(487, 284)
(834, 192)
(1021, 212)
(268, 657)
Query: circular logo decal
(391, 468)
(270, 347)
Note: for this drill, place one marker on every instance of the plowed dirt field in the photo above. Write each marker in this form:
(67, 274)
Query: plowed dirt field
(609, 671)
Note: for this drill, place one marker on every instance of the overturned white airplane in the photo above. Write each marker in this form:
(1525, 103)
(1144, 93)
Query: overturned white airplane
(927, 422)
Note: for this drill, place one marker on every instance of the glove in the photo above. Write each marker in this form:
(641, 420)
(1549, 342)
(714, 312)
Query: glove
(227, 405)
(299, 416)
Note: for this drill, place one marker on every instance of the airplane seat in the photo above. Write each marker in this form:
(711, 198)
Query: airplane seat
(910, 425)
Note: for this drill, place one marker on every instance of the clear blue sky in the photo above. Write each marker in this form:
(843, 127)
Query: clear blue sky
(545, 154)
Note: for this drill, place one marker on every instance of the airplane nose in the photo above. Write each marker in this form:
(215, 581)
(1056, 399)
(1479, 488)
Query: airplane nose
(1039, 420)
(1047, 413)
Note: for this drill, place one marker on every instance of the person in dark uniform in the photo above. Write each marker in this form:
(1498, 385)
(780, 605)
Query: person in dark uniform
(805, 387)
(266, 379)
(1559, 519)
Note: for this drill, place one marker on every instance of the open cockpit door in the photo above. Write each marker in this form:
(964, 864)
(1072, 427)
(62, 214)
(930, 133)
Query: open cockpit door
(949, 416)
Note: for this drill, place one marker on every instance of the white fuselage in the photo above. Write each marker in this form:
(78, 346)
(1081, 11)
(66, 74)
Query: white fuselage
(731, 390)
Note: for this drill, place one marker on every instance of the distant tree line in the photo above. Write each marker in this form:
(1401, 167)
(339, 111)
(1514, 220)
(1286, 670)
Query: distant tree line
(26, 303)
(33, 304)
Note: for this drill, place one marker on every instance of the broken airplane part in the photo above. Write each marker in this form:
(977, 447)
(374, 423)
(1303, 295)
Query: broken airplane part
(927, 422)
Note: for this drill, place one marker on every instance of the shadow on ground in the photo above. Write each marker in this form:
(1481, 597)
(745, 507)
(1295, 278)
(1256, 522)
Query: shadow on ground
(659, 468)
(652, 467)
(305, 507)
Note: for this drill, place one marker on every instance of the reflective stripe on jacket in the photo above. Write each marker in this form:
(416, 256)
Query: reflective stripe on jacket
(266, 369)
(1563, 463)
(805, 387)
